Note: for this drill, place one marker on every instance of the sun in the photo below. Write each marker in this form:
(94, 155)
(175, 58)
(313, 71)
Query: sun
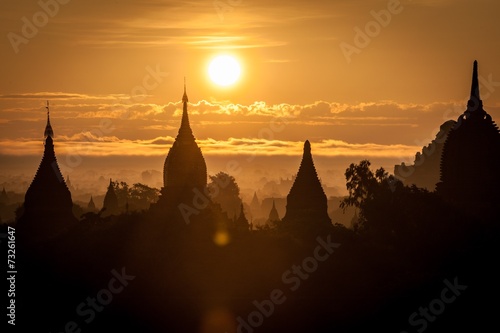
(224, 70)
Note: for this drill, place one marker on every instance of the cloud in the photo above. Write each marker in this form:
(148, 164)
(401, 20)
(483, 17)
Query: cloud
(61, 96)
(102, 125)
(87, 144)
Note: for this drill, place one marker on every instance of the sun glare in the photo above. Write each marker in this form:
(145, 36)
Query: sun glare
(224, 70)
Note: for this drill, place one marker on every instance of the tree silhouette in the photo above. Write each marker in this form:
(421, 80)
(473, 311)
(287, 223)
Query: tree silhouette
(363, 184)
(374, 194)
(122, 191)
(224, 190)
(141, 195)
(393, 214)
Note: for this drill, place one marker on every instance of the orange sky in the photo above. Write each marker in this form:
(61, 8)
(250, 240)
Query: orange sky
(382, 98)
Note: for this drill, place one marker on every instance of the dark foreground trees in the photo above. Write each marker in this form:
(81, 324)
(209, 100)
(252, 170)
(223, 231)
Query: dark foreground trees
(406, 244)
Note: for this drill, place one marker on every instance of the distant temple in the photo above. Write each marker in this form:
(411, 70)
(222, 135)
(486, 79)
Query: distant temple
(110, 203)
(241, 223)
(91, 205)
(4, 198)
(470, 163)
(273, 215)
(47, 208)
(424, 172)
(255, 206)
(306, 202)
(185, 171)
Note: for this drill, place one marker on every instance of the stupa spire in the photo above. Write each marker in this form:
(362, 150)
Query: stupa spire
(48, 207)
(185, 131)
(91, 204)
(475, 102)
(273, 214)
(110, 202)
(470, 156)
(185, 97)
(306, 201)
(184, 168)
(474, 91)
(241, 223)
(48, 128)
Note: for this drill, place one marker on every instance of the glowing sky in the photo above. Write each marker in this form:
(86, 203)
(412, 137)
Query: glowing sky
(113, 72)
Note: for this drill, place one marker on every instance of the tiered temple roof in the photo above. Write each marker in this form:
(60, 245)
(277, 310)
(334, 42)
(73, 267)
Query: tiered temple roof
(184, 169)
(306, 201)
(47, 204)
(470, 162)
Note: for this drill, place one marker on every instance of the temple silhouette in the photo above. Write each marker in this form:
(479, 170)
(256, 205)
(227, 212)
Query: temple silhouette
(255, 205)
(241, 223)
(4, 198)
(306, 203)
(91, 205)
(273, 215)
(47, 208)
(470, 162)
(110, 202)
(185, 170)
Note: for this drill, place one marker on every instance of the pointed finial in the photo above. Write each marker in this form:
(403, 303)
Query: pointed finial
(48, 129)
(475, 102)
(184, 97)
(185, 129)
(307, 147)
(474, 91)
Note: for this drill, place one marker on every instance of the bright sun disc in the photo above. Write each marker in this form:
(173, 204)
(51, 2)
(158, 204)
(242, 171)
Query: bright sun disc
(224, 70)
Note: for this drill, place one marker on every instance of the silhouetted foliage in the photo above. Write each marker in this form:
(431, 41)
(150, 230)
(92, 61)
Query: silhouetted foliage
(364, 187)
(224, 190)
(141, 196)
(122, 191)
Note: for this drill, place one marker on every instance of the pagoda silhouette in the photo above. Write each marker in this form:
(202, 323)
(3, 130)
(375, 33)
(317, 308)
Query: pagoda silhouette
(470, 162)
(184, 171)
(47, 208)
(91, 205)
(306, 203)
(241, 223)
(110, 202)
(255, 206)
(4, 198)
(273, 217)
